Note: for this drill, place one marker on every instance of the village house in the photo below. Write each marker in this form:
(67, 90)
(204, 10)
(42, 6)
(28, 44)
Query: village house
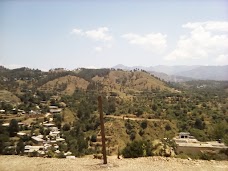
(38, 139)
(2, 111)
(29, 150)
(21, 134)
(48, 125)
(55, 110)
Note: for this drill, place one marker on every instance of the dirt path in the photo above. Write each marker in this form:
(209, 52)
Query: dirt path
(20, 163)
(135, 119)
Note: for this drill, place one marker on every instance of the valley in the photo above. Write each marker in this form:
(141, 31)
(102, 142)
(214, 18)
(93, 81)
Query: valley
(138, 107)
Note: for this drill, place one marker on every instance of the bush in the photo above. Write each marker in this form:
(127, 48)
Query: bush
(93, 138)
(137, 149)
(61, 155)
(144, 124)
(66, 127)
(168, 127)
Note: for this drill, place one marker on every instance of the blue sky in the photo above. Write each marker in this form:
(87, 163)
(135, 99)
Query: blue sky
(70, 34)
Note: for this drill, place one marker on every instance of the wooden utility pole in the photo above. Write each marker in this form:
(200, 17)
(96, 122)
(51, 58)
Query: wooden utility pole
(102, 129)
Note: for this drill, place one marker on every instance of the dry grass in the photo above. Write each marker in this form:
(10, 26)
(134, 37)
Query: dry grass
(8, 96)
(72, 82)
(68, 115)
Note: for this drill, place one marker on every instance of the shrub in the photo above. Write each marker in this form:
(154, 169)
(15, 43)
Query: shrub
(66, 127)
(144, 124)
(137, 149)
(93, 138)
(168, 127)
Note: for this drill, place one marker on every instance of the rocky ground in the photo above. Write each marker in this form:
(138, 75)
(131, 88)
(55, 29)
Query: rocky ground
(22, 163)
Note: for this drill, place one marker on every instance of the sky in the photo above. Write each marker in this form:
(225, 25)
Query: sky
(100, 33)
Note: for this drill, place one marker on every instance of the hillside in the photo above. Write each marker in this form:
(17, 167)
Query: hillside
(120, 82)
(137, 107)
(67, 84)
(8, 96)
(126, 82)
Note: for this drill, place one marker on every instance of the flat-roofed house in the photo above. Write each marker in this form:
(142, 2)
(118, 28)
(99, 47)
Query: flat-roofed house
(37, 140)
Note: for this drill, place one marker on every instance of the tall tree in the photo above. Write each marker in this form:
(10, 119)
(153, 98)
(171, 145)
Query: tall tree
(13, 127)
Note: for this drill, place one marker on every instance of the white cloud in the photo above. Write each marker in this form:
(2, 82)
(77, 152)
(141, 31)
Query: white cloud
(77, 31)
(12, 66)
(209, 25)
(99, 34)
(222, 59)
(154, 42)
(205, 41)
(98, 49)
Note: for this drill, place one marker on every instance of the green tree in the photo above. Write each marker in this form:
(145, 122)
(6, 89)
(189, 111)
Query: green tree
(220, 130)
(13, 127)
(20, 147)
(199, 124)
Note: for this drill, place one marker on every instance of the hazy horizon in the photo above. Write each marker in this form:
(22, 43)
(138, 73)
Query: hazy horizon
(101, 34)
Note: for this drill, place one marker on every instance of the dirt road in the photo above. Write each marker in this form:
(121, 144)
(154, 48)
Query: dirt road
(20, 163)
(135, 118)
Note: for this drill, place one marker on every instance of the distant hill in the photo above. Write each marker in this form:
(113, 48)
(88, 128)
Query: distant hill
(181, 73)
(170, 78)
(207, 73)
(122, 83)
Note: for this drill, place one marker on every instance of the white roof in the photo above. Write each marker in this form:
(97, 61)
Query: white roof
(5, 124)
(53, 107)
(37, 139)
(55, 110)
(60, 139)
(21, 133)
(48, 124)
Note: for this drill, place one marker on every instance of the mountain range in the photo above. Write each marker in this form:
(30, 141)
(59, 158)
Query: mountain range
(181, 73)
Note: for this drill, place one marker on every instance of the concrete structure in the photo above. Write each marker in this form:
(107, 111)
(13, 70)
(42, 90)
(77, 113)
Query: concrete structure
(189, 145)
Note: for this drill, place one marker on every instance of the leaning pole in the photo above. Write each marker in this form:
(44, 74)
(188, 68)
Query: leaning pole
(102, 129)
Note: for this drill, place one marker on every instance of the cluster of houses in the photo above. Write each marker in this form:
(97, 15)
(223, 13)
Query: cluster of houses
(41, 144)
